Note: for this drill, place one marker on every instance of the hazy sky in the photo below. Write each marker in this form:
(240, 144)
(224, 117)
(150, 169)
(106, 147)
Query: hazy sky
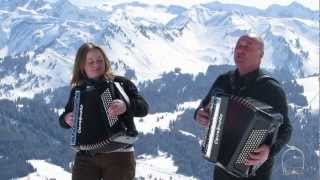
(262, 4)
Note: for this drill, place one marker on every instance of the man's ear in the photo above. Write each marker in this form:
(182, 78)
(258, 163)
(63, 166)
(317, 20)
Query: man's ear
(262, 53)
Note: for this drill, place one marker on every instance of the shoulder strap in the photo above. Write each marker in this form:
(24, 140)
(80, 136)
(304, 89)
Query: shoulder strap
(122, 92)
(231, 78)
(264, 78)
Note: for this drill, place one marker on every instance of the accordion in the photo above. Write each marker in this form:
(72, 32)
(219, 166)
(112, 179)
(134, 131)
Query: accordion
(94, 129)
(237, 126)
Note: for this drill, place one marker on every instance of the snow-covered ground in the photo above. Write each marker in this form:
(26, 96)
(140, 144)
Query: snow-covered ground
(148, 167)
(159, 167)
(311, 91)
(162, 120)
(45, 171)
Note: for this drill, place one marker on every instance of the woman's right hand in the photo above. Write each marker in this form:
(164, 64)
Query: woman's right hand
(68, 118)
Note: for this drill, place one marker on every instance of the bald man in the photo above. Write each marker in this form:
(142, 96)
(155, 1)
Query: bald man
(243, 82)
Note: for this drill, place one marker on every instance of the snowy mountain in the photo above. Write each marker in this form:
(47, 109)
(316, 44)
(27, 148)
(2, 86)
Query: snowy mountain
(293, 10)
(148, 39)
(172, 52)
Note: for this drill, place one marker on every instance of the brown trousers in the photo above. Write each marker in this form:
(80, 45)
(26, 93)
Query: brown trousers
(106, 166)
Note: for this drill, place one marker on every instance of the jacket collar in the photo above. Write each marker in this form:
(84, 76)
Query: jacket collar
(249, 77)
(246, 80)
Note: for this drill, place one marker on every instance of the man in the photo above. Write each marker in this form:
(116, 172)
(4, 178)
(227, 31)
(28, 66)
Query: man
(247, 81)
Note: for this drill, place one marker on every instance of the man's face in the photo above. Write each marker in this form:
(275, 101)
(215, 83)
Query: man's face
(247, 54)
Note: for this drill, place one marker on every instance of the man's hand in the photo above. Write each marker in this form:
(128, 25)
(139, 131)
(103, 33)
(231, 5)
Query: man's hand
(202, 117)
(259, 156)
(117, 107)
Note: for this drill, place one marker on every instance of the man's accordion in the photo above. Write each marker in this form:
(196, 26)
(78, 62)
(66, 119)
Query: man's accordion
(94, 129)
(238, 126)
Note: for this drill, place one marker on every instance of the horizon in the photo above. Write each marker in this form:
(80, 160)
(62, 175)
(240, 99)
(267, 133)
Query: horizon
(310, 4)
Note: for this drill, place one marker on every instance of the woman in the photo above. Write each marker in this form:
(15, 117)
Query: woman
(90, 68)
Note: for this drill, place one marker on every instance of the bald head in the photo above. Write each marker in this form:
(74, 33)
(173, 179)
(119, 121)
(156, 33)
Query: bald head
(257, 39)
(248, 53)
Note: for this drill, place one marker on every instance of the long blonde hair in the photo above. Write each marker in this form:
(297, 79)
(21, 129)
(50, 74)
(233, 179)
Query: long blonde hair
(78, 75)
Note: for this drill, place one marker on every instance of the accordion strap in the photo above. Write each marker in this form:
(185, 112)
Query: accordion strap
(122, 92)
(265, 77)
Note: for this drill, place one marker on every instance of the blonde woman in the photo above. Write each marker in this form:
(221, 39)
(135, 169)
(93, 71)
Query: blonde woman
(93, 68)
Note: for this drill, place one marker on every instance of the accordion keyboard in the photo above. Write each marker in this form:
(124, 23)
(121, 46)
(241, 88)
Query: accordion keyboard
(106, 100)
(254, 140)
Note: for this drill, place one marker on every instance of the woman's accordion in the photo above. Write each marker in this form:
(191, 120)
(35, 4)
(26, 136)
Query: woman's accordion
(94, 129)
(238, 126)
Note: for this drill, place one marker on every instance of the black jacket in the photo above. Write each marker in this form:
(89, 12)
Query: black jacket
(138, 107)
(268, 91)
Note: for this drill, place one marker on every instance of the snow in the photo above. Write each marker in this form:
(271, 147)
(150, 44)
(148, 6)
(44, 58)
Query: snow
(8, 80)
(148, 39)
(311, 91)
(154, 14)
(59, 111)
(3, 52)
(26, 11)
(45, 7)
(151, 121)
(19, 107)
(160, 167)
(162, 120)
(312, 4)
(39, 76)
(187, 133)
(45, 170)
(293, 32)
(189, 104)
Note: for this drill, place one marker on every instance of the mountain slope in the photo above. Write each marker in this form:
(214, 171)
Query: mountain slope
(147, 40)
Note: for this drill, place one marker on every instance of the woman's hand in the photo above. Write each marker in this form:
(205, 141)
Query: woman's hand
(68, 118)
(117, 107)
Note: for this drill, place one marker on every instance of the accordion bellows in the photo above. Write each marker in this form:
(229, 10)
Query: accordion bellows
(93, 128)
(238, 126)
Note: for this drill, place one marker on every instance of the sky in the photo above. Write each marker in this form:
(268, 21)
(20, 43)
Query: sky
(261, 4)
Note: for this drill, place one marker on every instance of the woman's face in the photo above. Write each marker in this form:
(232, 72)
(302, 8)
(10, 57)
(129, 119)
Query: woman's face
(94, 65)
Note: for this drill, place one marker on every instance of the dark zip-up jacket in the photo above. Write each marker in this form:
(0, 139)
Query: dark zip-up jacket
(138, 107)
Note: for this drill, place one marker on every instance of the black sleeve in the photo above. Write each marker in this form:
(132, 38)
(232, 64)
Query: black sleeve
(275, 96)
(216, 86)
(138, 106)
(68, 108)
